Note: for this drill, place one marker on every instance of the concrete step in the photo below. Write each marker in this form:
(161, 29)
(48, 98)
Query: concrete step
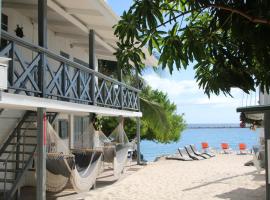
(7, 180)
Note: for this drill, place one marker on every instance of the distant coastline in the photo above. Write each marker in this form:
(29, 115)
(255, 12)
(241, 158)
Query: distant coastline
(202, 126)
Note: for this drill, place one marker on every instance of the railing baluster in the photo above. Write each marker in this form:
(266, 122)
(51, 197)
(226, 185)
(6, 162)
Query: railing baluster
(79, 84)
(121, 100)
(11, 64)
(93, 89)
(63, 79)
(42, 67)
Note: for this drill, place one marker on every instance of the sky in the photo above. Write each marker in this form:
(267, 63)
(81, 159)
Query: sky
(183, 90)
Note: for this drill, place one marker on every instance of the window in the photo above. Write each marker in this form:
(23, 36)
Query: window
(63, 128)
(81, 125)
(81, 62)
(108, 68)
(64, 54)
(4, 26)
(4, 22)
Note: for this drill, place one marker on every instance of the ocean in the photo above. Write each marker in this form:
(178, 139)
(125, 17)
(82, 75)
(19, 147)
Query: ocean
(214, 137)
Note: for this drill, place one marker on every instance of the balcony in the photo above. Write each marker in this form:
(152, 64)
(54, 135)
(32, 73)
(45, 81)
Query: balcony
(36, 71)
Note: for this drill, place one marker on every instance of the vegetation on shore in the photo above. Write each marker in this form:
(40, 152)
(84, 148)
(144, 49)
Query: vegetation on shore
(160, 121)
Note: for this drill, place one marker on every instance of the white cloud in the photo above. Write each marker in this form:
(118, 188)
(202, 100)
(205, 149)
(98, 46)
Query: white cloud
(187, 92)
(172, 87)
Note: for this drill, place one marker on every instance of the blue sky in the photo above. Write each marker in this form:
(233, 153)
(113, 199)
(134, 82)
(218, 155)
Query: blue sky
(183, 90)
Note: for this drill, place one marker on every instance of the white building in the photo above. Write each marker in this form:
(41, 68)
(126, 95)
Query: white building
(55, 49)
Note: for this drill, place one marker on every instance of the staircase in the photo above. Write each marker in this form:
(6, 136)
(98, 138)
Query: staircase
(16, 154)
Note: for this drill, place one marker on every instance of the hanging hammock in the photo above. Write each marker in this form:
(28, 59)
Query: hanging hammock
(59, 161)
(87, 169)
(87, 161)
(122, 145)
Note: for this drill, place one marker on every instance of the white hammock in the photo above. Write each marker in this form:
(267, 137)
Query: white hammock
(87, 164)
(83, 178)
(59, 162)
(119, 137)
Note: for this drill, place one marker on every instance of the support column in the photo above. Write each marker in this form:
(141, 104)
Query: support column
(120, 78)
(92, 64)
(43, 42)
(0, 19)
(71, 131)
(138, 136)
(138, 87)
(267, 146)
(41, 154)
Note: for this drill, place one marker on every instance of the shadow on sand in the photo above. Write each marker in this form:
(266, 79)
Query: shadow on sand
(244, 194)
(240, 193)
(218, 181)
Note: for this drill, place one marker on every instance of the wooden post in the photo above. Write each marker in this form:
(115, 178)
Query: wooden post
(71, 131)
(41, 154)
(0, 19)
(138, 135)
(120, 78)
(138, 87)
(42, 41)
(92, 64)
(267, 146)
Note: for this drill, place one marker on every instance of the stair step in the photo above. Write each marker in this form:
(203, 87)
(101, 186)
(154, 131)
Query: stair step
(11, 170)
(14, 161)
(26, 144)
(32, 114)
(29, 129)
(29, 136)
(7, 180)
(20, 152)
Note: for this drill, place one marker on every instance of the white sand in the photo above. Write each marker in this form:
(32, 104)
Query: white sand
(223, 177)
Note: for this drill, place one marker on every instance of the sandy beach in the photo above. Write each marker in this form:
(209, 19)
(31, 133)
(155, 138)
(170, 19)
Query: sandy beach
(221, 178)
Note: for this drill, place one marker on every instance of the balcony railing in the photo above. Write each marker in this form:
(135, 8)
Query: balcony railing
(36, 71)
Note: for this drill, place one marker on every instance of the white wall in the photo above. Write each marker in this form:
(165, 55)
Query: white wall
(30, 29)
(264, 98)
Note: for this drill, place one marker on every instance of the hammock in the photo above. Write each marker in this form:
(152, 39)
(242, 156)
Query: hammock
(88, 157)
(59, 161)
(120, 159)
(87, 168)
(119, 137)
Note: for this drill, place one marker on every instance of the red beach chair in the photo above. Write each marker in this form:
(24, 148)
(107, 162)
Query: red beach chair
(206, 149)
(243, 148)
(226, 148)
(205, 145)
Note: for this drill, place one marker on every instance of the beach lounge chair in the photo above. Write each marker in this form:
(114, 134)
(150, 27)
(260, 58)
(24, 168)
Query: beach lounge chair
(191, 154)
(226, 148)
(205, 148)
(243, 148)
(177, 157)
(183, 154)
(197, 153)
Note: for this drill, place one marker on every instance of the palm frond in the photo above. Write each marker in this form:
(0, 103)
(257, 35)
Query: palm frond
(155, 115)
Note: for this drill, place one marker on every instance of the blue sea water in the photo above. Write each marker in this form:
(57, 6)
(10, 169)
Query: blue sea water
(214, 137)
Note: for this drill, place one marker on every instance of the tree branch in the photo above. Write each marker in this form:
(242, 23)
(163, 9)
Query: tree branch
(253, 19)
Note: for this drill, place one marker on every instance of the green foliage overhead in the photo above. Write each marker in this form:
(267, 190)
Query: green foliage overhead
(160, 122)
(227, 40)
